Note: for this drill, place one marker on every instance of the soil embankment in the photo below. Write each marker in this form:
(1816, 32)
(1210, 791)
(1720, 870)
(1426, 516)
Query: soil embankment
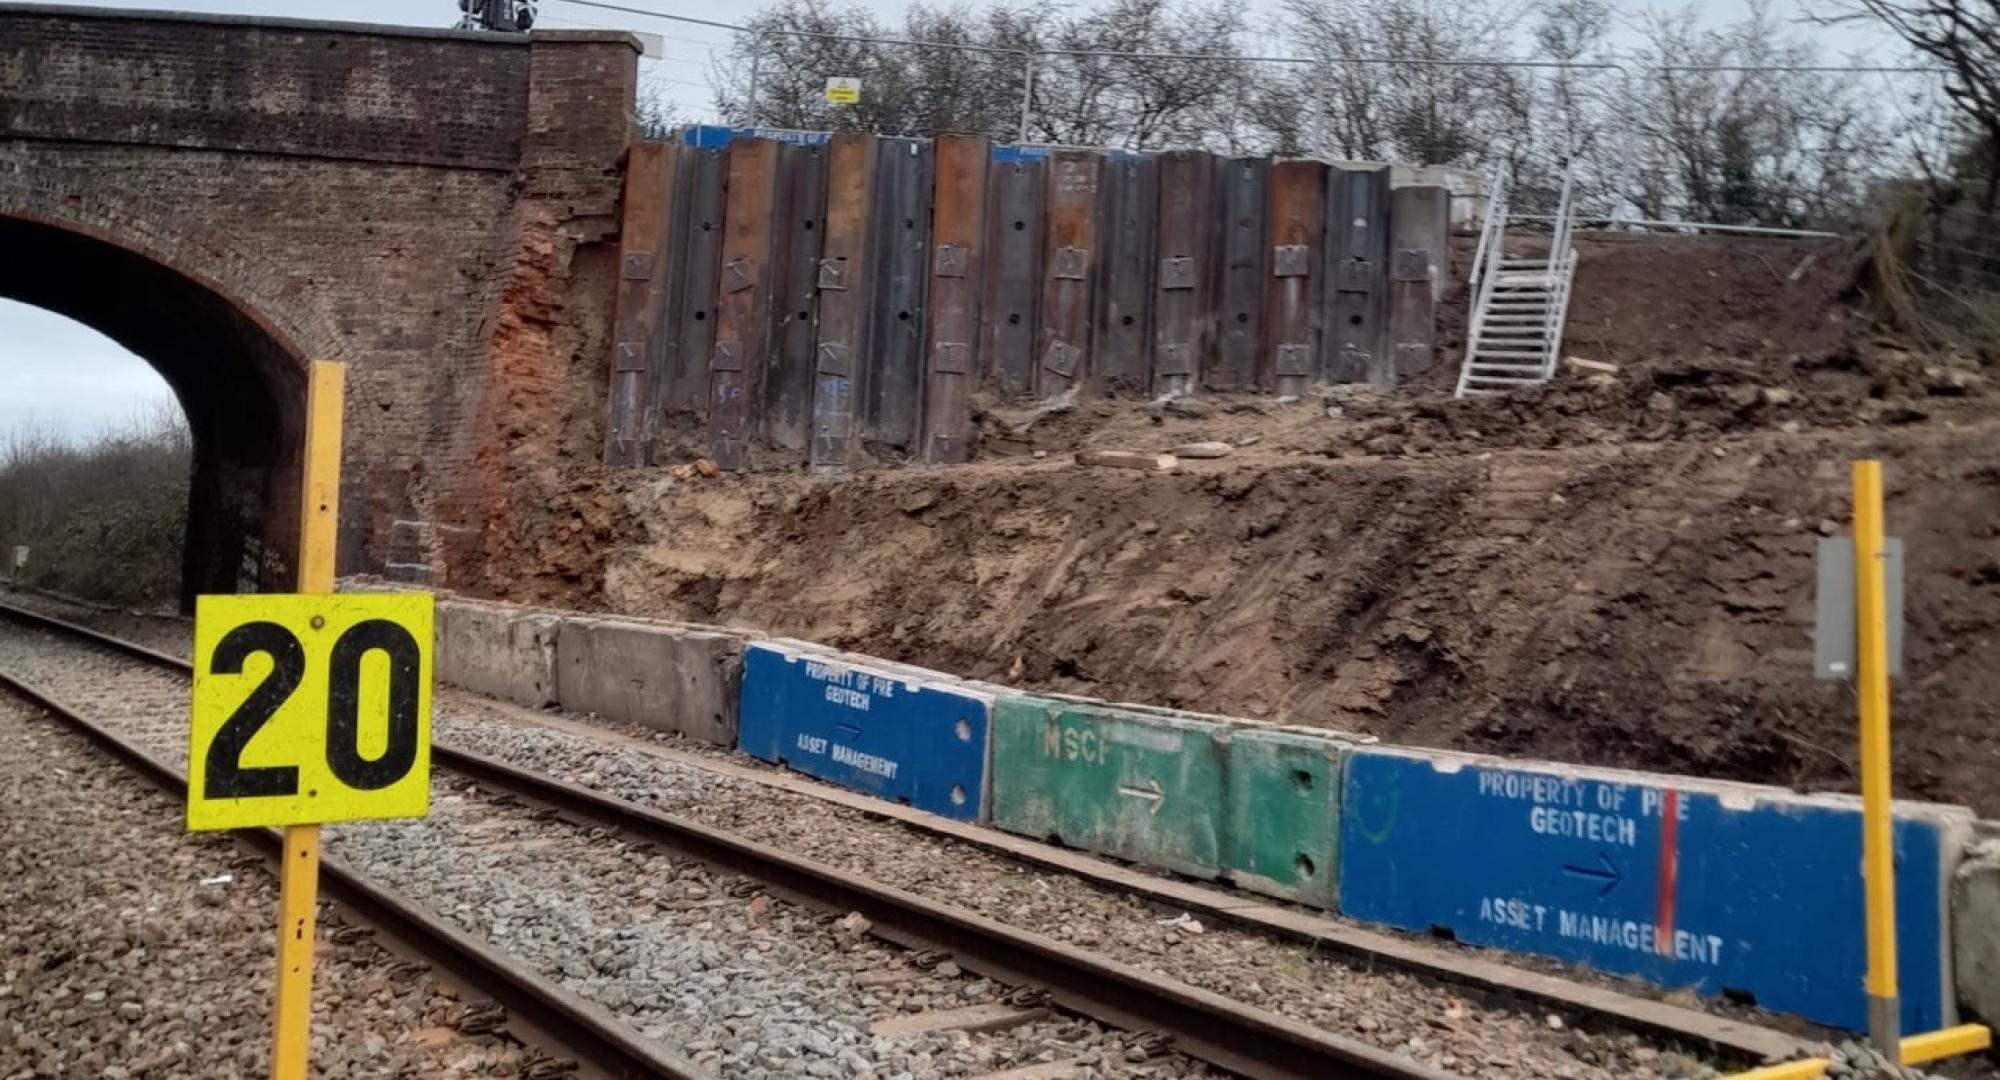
(1617, 569)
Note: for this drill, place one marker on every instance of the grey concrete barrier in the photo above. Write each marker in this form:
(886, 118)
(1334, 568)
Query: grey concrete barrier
(1975, 927)
(669, 678)
(500, 651)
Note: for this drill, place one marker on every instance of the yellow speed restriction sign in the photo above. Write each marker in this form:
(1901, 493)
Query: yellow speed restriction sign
(310, 709)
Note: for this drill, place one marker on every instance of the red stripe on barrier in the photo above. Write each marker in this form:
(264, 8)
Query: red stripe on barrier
(1669, 867)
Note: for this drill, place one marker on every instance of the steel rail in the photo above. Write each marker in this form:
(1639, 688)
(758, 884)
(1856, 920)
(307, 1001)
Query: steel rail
(544, 1013)
(1204, 1025)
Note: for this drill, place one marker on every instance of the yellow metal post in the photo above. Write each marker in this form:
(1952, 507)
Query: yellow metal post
(291, 1015)
(1808, 1069)
(1878, 869)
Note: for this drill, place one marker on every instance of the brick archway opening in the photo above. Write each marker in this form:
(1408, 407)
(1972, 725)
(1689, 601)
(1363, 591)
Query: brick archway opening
(240, 384)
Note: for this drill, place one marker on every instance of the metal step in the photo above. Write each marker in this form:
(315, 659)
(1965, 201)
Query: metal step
(1524, 300)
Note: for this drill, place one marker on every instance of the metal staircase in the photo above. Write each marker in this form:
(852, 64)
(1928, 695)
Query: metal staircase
(1515, 335)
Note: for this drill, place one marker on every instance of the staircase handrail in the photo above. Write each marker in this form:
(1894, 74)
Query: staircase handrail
(1495, 222)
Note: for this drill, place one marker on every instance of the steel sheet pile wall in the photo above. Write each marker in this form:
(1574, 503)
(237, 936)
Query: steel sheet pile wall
(850, 298)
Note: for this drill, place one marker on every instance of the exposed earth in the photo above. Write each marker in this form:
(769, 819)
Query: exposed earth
(1616, 569)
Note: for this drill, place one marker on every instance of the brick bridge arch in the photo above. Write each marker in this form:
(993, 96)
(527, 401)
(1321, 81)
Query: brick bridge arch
(238, 378)
(232, 197)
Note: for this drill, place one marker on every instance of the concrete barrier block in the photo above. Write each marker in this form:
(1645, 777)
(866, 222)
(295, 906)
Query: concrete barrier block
(1281, 833)
(499, 651)
(1138, 786)
(1682, 882)
(890, 730)
(662, 677)
(1975, 930)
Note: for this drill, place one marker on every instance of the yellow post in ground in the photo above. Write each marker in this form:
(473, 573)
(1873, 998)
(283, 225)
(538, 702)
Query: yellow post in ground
(1878, 869)
(291, 1015)
(1808, 1069)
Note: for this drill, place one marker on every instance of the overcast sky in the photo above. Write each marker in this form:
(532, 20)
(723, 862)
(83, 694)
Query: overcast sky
(64, 376)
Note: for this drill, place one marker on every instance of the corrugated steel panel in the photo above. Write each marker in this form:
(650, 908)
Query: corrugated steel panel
(1014, 284)
(1357, 296)
(1241, 338)
(957, 266)
(1124, 347)
(1298, 248)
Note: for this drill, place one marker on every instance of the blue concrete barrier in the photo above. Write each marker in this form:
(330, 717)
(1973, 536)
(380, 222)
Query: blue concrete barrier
(882, 728)
(1719, 887)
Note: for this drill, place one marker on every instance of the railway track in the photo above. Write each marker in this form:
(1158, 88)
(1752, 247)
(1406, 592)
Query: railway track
(1211, 1029)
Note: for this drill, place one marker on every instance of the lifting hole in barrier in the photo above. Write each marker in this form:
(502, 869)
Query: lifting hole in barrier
(809, 226)
(902, 316)
(706, 226)
(1020, 225)
(1444, 933)
(1126, 321)
(1354, 320)
(1014, 319)
(1304, 865)
(804, 315)
(1302, 780)
(700, 315)
(963, 729)
(909, 223)
(1242, 316)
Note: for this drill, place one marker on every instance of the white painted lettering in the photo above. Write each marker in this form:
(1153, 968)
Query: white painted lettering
(1584, 825)
(853, 699)
(1640, 937)
(880, 766)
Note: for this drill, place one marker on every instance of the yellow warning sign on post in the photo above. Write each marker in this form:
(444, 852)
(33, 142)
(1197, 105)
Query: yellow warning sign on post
(310, 709)
(841, 90)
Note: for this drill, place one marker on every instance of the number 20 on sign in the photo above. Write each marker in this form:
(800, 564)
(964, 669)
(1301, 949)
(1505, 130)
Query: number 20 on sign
(310, 709)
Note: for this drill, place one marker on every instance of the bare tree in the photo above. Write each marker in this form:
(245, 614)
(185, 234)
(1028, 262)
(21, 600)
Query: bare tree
(1725, 127)
(1963, 37)
(1408, 80)
(946, 69)
(1114, 77)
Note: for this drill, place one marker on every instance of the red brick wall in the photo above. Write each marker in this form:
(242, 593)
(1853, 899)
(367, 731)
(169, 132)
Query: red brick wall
(231, 197)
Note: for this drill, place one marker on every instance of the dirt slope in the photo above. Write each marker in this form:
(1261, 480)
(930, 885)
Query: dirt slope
(1616, 570)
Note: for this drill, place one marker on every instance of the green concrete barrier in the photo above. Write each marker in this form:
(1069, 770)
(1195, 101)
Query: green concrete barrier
(1281, 833)
(1147, 788)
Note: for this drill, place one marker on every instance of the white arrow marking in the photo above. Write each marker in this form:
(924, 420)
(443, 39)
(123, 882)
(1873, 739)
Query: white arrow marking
(1155, 795)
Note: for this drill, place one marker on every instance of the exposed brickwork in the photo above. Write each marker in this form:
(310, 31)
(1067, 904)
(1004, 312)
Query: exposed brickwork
(232, 197)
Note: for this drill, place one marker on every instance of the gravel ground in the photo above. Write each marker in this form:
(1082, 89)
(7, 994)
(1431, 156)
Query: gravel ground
(743, 984)
(170, 634)
(144, 964)
(1436, 1024)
